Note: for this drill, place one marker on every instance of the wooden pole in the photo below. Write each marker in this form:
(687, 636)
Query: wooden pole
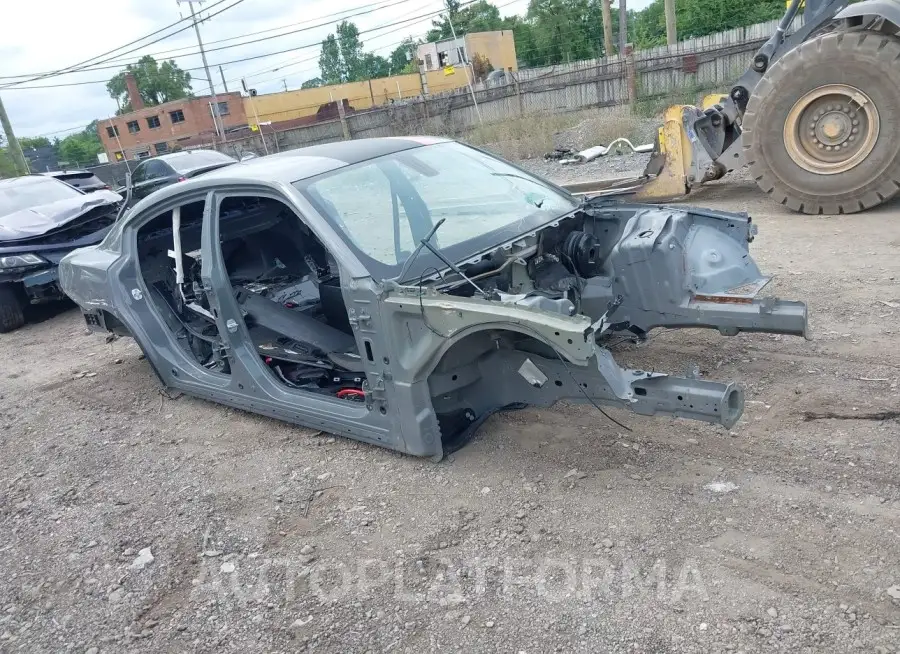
(15, 149)
(607, 28)
(671, 35)
(630, 74)
(623, 27)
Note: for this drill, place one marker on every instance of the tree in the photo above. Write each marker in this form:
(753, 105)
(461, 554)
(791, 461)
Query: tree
(28, 143)
(351, 51)
(156, 83)
(343, 60)
(698, 18)
(80, 148)
(7, 165)
(481, 16)
(403, 57)
(313, 83)
(375, 66)
(330, 62)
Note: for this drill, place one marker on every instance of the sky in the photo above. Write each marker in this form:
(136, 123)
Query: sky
(62, 34)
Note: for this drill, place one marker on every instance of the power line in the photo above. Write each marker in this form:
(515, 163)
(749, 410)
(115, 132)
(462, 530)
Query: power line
(192, 49)
(117, 64)
(81, 66)
(383, 4)
(414, 19)
(580, 32)
(286, 64)
(243, 59)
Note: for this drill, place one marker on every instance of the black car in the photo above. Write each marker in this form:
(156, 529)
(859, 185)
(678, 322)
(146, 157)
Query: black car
(83, 180)
(153, 174)
(41, 220)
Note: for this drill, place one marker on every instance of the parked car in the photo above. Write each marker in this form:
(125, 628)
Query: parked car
(41, 220)
(83, 180)
(399, 291)
(157, 172)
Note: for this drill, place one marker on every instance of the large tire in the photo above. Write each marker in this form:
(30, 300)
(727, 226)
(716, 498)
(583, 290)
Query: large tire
(12, 314)
(865, 61)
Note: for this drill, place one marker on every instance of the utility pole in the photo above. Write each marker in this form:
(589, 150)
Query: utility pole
(607, 28)
(284, 83)
(14, 147)
(212, 89)
(623, 27)
(671, 35)
(224, 83)
(466, 65)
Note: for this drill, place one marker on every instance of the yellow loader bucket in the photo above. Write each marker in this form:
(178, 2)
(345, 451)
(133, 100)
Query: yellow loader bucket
(712, 100)
(671, 160)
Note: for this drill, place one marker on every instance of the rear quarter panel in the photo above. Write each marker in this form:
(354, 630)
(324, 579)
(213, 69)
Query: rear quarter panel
(84, 277)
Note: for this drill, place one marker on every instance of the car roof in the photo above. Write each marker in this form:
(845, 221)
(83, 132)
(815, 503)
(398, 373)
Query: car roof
(29, 179)
(295, 165)
(60, 173)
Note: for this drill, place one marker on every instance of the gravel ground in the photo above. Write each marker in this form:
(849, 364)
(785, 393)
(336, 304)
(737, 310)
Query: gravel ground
(134, 521)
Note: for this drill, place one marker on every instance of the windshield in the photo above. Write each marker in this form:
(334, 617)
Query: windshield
(384, 206)
(30, 192)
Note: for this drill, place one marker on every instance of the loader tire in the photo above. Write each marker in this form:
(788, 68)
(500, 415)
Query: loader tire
(12, 315)
(821, 133)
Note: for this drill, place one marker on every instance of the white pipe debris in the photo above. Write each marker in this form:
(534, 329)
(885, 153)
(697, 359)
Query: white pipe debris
(602, 150)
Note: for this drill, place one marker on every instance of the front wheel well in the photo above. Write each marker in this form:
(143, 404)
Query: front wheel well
(461, 397)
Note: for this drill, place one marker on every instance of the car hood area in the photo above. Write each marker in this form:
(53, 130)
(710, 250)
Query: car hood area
(42, 219)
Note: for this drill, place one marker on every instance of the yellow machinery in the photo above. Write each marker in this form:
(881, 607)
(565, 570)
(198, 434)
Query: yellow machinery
(813, 116)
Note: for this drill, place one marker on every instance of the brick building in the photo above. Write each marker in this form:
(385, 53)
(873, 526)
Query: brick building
(148, 131)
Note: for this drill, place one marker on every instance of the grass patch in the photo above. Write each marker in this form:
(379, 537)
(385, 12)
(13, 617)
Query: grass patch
(533, 135)
(653, 105)
(523, 137)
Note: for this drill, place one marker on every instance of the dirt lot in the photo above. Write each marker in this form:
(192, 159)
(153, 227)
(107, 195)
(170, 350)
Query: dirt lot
(554, 531)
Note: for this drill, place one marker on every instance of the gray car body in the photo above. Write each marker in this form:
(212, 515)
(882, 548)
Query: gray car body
(464, 360)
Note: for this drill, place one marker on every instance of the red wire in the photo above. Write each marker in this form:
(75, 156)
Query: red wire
(350, 392)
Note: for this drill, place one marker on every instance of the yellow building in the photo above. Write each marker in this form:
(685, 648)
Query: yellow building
(444, 70)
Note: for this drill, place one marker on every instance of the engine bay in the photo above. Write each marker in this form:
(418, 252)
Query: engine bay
(632, 268)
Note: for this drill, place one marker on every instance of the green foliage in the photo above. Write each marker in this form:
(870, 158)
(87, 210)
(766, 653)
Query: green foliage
(330, 62)
(7, 164)
(80, 148)
(551, 32)
(342, 58)
(481, 16)
(352, 56)
(157, 83)
(313, 83)
(559, 31)
(374, 66)
(27, 143)
(403, 58)
(695, 18)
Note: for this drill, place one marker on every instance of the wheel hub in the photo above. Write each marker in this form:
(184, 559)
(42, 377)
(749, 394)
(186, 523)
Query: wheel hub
(831, 129)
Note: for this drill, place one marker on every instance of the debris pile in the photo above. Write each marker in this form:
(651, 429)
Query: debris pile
(567, 156)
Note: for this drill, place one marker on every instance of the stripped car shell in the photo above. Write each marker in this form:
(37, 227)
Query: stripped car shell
(426, 344)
